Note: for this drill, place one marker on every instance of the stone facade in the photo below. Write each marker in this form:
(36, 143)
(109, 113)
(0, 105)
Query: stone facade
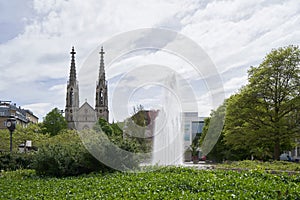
(23, 116)
(85, 116)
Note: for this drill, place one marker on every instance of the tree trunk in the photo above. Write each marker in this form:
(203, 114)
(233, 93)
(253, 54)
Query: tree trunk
(277, 150)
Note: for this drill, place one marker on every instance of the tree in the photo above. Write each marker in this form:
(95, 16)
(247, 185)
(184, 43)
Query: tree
(212, 140)
(54, 122)
(32, 132)
(139, 115)
(261, 117)
(243, 131)
(60, 156)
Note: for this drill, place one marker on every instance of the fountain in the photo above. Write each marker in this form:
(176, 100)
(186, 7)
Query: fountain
(168, 135)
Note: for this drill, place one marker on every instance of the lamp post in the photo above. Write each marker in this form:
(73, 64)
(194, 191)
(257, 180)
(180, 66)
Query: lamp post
(11, 126)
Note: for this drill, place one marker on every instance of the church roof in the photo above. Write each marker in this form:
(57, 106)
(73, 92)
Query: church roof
(86, 105)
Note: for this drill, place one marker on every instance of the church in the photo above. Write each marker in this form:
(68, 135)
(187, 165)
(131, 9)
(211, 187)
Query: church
(85, 116)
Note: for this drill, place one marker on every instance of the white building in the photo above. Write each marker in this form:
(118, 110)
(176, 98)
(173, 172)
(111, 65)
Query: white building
(192, 126)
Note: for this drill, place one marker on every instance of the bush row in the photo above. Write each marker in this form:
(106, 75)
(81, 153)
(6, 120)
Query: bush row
(14, 161)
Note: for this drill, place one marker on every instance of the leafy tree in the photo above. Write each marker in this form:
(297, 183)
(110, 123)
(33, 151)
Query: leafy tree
(212, 129)
(137, 108)
(115, 135)
(65, 155)
(261, 117)
(54, 122)
(105, 127)
(139, 116)
(215, 148)
(32, 132)
(217, 152)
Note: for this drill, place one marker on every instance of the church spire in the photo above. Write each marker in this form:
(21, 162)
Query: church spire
(72, 77)
(101, 91)
(72, 96)
(101, 70)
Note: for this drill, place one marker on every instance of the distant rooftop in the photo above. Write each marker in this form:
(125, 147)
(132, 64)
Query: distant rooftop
(6, 107)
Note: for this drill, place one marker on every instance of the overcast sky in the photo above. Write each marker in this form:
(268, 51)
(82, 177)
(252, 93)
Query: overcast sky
(37, 35)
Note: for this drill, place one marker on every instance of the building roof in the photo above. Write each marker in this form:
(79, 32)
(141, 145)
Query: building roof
(7, 109)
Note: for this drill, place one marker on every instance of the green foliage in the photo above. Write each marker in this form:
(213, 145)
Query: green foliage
(117, 129)
(263, 117)
(137, 127)
(54, 122)
(14, 161)
(211, 140)
(258, 165)
(65, 155)
(105, 127)
(115, 135)
(32, 132)
(112, 155)
(139, 115)
(164, 183)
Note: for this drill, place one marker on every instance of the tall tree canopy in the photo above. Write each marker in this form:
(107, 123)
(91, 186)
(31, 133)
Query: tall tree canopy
(264, 116)
(54, 122)
(211, 140)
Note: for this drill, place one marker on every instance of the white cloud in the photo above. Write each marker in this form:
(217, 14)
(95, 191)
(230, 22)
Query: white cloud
(39, 109)
(231, 85)
(235, 34)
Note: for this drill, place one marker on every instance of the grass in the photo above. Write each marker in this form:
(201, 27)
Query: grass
(164, 183)
(265, 166)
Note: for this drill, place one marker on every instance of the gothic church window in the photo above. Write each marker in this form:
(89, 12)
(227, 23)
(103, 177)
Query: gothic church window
(101, 97)
(71, 97)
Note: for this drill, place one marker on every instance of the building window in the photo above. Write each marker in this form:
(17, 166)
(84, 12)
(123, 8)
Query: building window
(197, 127)
(71, 97)
(187, 132)
(101, 97)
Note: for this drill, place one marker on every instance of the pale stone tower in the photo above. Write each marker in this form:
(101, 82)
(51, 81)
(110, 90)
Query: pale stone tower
(85, 116)
(101, 107)
(72, 97)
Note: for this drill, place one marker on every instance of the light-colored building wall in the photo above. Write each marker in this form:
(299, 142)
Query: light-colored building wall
(189, 131)
(192, 125)
(23, 117)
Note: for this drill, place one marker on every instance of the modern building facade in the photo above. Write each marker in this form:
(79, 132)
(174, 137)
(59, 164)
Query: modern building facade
(85, 116)
(23, 116)
(192, 128)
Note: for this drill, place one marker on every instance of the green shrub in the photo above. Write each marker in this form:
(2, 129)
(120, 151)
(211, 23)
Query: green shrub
(65, 155)
(258, 165)
(65, 160)
(14, 161)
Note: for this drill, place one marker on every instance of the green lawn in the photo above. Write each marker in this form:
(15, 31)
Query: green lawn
(257, 165)
(164, 183)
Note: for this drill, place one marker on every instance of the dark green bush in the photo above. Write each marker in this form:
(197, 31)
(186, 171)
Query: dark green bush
(65, 160)
(14, 161)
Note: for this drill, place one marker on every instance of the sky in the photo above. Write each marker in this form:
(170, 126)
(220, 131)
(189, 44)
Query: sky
(37, 35)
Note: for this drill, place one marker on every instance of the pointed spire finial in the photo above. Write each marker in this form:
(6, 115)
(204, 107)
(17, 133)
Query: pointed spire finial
(73, 68)
(102, 52)
(73, 51)
(101, 70)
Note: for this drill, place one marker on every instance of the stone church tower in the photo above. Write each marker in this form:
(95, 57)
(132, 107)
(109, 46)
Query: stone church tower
(72, 97)
(101, 91)
(85, 116)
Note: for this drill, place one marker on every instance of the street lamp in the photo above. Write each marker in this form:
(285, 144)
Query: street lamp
(11, 126)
